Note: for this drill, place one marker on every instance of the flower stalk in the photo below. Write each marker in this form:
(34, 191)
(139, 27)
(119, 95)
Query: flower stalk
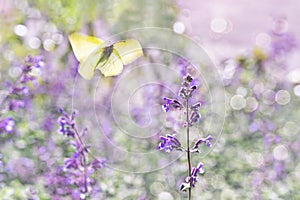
(78, 168)
(170, 142)
(18, 92)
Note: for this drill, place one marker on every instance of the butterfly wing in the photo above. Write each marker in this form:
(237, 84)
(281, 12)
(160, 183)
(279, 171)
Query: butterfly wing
(128, 50)
(113, 66)
(83, 45)
(87, 68)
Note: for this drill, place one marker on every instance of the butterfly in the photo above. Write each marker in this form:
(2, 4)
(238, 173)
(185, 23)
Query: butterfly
(93, 53)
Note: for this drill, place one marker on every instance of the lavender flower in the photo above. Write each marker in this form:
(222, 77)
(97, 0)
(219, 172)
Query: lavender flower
(187, 87)
(98, 163)
(191, 180)
(206, 140)
(173, 103)
(35, 61)
(77, 168)
(195, 117)
(67, 124)
(58, 183)
(18, 92)
(169, 142)
(31, 70)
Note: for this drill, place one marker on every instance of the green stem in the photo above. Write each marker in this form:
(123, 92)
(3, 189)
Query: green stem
(188, 145)
(84, 159)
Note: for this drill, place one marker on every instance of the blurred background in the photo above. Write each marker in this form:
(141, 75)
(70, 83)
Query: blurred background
(244, 55)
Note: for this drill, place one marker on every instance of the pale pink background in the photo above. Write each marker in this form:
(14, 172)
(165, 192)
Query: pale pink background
(248, 18)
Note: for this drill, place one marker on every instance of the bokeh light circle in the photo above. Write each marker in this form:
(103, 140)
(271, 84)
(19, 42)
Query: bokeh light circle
(237, 102)
(282, 97)
(280, 152)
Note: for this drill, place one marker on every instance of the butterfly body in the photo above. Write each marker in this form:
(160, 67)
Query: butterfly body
(92, 53)
(106, 54)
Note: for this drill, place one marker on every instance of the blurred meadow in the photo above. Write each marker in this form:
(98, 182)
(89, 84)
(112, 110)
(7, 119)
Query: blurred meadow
(244, 55)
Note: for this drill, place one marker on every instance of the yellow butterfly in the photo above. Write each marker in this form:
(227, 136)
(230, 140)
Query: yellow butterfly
(93, 53)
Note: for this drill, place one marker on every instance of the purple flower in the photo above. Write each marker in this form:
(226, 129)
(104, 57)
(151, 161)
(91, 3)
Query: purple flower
(7, 125)
(14, 105)
(196, 170)
(200, 168)
(27, 78)
(182, 65)
(98, 163)
(191, 180)
(206, 140)
(173, 103)
(195, 118)
(35, 61)
(169, 142)
(67, 124)
(25, 90)
(31, 69)
(72, 162)
(282, 44)
(79, 146)
(48, 123)
(58, 183)
(18, 93)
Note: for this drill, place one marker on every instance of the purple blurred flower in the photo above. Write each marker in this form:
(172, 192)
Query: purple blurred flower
(31, 69)
(35, 61)
(25, 78)
(182, 65)
(48, 123)
(98, 163)
(72, 162)
(21, 167)
(253, 127)
(169, 142)
(18, 92)
(7, 125)
(282, 43)
(58, 183)
(14, 105)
